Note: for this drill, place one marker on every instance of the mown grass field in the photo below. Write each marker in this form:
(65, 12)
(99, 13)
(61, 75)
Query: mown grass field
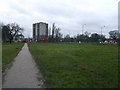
(77, 66)
(9, 52)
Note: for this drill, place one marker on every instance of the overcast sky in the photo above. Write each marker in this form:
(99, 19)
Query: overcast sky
(69, 15)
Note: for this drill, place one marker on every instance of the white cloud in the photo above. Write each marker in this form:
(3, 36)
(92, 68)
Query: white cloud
(69, 15)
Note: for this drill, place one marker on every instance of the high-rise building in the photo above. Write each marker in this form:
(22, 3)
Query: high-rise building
(40, 30)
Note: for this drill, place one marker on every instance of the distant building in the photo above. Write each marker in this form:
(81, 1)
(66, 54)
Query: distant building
(40, 31)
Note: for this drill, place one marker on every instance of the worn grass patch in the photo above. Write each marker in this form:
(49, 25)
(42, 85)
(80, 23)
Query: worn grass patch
(77, 66)
(9, 52)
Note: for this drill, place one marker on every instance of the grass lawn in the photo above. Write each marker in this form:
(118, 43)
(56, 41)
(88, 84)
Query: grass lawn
(9, 52)
(77, 66)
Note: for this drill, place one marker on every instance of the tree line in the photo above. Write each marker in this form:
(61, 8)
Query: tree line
(57, 36)
(12, 31)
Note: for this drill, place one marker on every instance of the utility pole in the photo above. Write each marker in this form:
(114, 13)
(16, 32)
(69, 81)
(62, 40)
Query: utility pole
(69, 32)
(102, 31)
(83, 28)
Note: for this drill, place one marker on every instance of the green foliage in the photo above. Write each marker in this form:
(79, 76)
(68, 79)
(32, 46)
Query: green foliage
(83, 38)
(95, 37)
(77, 66)
(115, 35)
(67, 38)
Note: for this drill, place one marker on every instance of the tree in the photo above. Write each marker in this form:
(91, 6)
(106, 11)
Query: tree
(58, 35)
(5, 33)
(102, 38)
(95, 37)
(51, 37)
(19, 37)
(82, 38)
(11, 31)
(114, 35)
(67, 38)
(15, 29)
(53, 30)
(87, 33)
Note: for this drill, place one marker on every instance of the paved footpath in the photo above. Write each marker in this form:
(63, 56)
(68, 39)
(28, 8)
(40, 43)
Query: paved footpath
(23, 73)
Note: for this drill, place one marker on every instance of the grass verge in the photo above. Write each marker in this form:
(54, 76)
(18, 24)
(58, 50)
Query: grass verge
(9, 52)
(77, 66)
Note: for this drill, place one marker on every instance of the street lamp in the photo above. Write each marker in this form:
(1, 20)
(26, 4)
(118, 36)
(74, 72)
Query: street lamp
(101, 33)
(69, 32)
(83, 28)
(102, 29)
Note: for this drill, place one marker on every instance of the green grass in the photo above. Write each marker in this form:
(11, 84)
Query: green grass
(9, 52)
(77, 66)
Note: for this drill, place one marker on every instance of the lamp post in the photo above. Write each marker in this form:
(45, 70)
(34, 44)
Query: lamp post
(83, 28)
(69, 32)
(101, 32)
(102, 29)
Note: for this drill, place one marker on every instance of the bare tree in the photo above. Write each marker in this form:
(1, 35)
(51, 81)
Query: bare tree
(53, 30)
(57, 31)
(15, 29)
(58, 35)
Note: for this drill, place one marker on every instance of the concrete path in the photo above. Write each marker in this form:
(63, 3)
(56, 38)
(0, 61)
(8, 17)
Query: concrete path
(23, 73)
